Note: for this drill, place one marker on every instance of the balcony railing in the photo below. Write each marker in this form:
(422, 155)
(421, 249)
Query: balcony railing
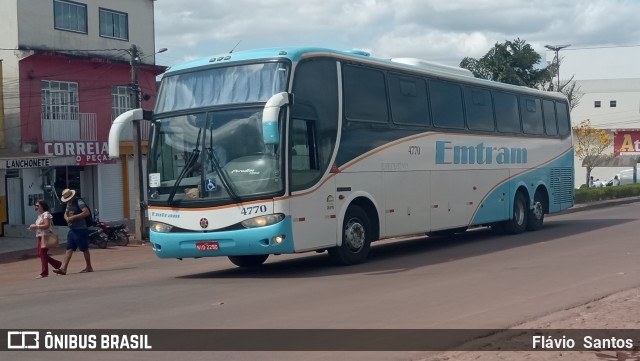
(69, 126)
(81, 127)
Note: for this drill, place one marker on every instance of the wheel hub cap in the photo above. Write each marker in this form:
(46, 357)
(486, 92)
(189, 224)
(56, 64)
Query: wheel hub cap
(537, 210)
(354, 235)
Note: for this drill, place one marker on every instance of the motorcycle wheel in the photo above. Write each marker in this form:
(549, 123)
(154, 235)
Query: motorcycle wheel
(102, 240)
(122, 239)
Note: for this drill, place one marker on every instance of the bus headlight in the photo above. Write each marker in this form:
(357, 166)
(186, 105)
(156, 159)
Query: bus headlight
(263, 221)
(160, 227)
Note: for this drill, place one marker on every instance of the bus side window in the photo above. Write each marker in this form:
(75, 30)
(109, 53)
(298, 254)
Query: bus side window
(304, 159)
(479, 107)
(531, 115)
(507, 114)
(365, 95)
(409, 102)
(446, 104)
(550, 122)
(562, 111)
(313, 124)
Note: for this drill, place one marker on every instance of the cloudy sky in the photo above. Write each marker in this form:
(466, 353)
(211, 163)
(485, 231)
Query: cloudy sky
(604, 34)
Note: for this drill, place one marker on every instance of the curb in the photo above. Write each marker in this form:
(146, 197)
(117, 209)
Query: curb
(600, 204)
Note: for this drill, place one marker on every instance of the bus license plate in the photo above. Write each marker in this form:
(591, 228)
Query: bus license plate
(207, 246)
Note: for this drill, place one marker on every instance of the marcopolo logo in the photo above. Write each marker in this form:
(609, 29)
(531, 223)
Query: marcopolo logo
(449, 153)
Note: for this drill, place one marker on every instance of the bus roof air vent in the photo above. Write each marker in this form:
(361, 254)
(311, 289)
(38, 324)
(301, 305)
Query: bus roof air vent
(358, 52)
(433, 66)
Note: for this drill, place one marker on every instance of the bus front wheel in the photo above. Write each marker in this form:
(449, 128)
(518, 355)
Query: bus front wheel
(357, 235)
(248, 261)
(518, 222)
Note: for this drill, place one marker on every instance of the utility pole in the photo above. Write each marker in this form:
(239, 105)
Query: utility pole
(138, 177)
(1, 106)
(557, 49)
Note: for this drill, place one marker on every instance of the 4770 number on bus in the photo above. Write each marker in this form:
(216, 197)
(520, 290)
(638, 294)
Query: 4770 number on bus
(253, 210)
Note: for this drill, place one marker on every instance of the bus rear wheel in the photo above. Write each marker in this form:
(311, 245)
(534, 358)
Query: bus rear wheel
(357, 235)
(536, 214)
(518, 222)
(248, 261)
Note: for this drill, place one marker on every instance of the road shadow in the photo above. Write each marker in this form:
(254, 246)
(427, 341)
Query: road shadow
(400, 256)
(25, 254)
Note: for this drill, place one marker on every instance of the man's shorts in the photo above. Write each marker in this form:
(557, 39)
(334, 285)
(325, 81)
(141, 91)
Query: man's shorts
(78, 239)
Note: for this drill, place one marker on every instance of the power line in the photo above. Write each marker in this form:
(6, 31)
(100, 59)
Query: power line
(600, 47)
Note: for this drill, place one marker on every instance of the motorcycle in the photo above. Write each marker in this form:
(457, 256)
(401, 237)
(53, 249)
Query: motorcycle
(116, 233)
(98, 237)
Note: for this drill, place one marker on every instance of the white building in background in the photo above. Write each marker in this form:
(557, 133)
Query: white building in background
(611, 104)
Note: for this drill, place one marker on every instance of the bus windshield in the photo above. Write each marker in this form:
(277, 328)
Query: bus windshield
(216, 157)
(239, 84)
(207, 146)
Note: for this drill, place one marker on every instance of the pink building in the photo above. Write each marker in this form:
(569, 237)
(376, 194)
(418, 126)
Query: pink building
(66, 74)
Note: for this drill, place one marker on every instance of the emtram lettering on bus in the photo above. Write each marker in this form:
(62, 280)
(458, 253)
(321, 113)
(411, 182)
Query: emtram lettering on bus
(446, 153)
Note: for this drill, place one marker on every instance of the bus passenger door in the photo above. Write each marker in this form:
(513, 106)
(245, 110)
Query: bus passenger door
(312, 200)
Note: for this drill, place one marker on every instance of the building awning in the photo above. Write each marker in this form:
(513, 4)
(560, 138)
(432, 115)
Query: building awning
(622, 160)
(15, 159)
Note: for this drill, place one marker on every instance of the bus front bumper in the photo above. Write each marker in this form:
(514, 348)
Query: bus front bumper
(250, 241)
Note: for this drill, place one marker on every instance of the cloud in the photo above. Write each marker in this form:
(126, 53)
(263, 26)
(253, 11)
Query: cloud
(438, 30)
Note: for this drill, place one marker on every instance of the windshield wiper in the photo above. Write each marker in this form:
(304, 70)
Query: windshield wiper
(193, 157)
(216, 166)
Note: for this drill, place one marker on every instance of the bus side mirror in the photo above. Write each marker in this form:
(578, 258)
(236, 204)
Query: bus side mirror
(270, 114)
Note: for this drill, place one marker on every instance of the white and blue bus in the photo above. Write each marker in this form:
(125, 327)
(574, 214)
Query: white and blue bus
(292, 150)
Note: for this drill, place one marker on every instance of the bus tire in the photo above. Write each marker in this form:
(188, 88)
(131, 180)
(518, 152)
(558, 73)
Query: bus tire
(536, 213)
(518, 222)
(249, 261)
(357, 235)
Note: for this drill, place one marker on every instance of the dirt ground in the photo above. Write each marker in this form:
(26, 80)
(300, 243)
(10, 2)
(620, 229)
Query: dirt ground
(618, 311)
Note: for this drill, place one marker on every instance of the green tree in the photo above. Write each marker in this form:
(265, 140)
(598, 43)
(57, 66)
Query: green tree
(590, 145)
(516, 62)
(512, 62)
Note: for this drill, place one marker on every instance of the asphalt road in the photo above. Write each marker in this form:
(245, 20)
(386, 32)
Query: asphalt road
(474, 280)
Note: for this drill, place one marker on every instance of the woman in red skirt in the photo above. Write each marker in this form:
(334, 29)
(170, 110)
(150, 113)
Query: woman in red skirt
(42, 225)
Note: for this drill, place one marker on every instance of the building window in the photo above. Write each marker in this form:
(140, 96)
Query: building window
(612, 103)
(120, 101)
(59, 100)
(114, 24)
(70, 16)
(596, 104)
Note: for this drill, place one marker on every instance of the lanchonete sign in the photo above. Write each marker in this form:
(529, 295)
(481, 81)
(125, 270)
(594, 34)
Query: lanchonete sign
(85, 152)
(626, 141)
